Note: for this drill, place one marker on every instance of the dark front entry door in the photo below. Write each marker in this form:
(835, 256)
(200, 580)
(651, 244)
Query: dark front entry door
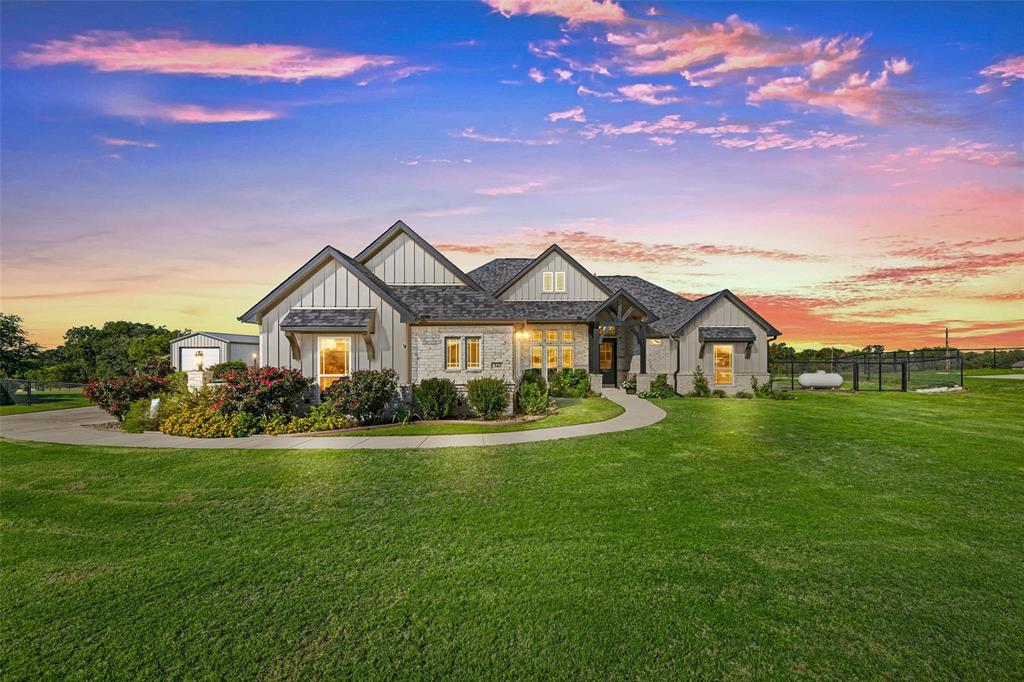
(606, 361)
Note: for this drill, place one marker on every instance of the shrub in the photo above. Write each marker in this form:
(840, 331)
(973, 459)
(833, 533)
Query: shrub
(435, 398)
(661, 389)
(743, 395)
(700, 385)
(718, 393)
(762, 390)
(629, 383)
(219, 370)
(569, 383)
(320, 418)
(364, 396)
(263, 392)
(531, 399)
(196, 415)
(487, 396)
(137, 420)
(534, 376)
(783, 395)
(116, 394)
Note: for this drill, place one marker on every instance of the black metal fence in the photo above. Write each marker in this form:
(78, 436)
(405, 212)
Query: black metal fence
(889, 371)
(30, 392)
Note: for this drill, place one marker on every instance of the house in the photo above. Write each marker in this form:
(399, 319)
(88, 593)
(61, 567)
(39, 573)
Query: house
(403, 305)
(211, 348)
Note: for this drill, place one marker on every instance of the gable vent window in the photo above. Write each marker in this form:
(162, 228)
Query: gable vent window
(560, 281)
(452, 354)
(549, 282)
(473, 359)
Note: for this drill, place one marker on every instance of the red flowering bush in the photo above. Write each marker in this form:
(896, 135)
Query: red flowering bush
(262, 392)
(364, 396)
(116, 394)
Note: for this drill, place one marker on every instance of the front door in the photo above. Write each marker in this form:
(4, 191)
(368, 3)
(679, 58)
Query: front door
(606, 361)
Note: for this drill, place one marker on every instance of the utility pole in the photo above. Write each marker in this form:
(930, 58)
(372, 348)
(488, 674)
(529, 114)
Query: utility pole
(947, 350)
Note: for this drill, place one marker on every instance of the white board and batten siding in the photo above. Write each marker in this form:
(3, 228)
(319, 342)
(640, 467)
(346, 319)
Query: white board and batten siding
(403, 261)
(215, 350)
(333, 286)
(723, 313)
(578, 287)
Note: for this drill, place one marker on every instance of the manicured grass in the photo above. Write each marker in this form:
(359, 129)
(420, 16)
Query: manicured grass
(571, 411)
(832, 536)
(47, 400)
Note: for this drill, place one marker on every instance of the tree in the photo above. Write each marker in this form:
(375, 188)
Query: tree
(117, 348)
(17, 353)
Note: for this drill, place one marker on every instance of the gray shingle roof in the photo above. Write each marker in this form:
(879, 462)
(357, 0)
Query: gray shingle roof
(672, 309)
(493, 275)
(726, 334)
(328, 318)
(463, 303)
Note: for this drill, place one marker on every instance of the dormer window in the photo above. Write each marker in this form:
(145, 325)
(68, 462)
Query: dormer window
(554, 282)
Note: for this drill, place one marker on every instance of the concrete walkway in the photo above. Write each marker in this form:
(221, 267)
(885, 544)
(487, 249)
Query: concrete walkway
(995, 376)
(71, 427)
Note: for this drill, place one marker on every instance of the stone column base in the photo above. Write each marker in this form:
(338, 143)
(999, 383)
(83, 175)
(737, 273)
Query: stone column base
(643, 382)
(196, 379)
(596, 383)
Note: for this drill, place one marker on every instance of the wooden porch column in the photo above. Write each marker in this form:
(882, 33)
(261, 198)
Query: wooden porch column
(641, 337)
(595, 343)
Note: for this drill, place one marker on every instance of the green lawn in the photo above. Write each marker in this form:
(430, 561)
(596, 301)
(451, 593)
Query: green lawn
(571, 411)
(831, 536)
(47, 400)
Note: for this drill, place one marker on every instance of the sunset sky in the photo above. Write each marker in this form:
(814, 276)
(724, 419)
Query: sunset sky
(853, 171)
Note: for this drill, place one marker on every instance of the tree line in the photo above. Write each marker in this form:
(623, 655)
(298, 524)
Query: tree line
(118, 348)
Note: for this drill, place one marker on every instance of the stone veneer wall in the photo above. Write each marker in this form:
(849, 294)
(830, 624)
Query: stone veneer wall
(428, 352)
(580, 344)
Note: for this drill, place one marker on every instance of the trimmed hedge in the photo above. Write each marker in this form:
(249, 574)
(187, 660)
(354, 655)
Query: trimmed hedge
(435, 398)
(487, 396)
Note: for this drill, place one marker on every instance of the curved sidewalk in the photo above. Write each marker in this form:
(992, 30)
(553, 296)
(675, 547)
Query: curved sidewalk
(71, 427)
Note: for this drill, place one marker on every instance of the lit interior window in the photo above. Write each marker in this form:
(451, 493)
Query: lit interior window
(536, 336)
(473, 360)
(605, 355)
(452, 359)
(552, 336)
(549, 281)
(552, 357)
(335, 359)
(567, 337)
(566, 356)
(536, 357)
(723, 364)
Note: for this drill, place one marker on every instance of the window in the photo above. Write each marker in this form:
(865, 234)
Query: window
(536, 357)
(559, 281)
(552, 357)
(452, 352)
(567, 337)
(536, 335)
(549, 282)
(723, 364)
(335, 359)
(552, 336)
(605, 355)
(566, 356)
(608, 330)
(473, 356)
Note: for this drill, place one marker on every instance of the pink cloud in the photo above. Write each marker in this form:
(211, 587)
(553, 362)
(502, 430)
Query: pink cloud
(111, 51)
(984, 153)
(859, 96)
(537, 76)
(563, 75)
(1002, 74)
(510, 190)
(195, 113)
(647, 93)
(576, 11)
(729, 47)
(472, 134)
(583, 90)
(819, 139)
(122, 142)
(672, 124)
(574, 114)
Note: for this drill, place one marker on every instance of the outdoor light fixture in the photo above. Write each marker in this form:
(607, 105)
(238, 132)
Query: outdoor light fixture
(253, 359)
(199, 360)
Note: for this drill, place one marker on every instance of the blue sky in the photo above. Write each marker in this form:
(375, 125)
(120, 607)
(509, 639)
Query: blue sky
(843, 165)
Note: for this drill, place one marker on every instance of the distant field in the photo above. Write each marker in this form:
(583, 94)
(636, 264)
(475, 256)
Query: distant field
(46, 400)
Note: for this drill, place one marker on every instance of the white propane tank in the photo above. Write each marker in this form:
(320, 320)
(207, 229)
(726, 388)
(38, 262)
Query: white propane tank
(820, 379)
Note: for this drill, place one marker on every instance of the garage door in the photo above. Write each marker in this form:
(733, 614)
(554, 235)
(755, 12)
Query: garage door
(211, 356)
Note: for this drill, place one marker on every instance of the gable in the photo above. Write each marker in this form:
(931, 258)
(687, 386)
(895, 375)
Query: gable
(728, 311)
(400, 256)
(328, 279)
(528, 285)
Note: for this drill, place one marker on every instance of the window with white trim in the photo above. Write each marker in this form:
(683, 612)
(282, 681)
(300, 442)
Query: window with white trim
(549, 282)
(552, 357)
(334, 359)
(560, 282)
(536, 336)
(453, 353)
(567, 336)
(567, 356)
(723, 365)
(552, 336)
(474, 353)
(536, 357)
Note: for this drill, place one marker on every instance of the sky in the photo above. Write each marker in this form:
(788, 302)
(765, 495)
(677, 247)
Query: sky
(852, 171)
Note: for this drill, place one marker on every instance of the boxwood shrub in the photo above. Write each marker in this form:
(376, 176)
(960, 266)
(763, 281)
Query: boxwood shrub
(364, 396)
(487, 396)
(531, 399)
(435, 398)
